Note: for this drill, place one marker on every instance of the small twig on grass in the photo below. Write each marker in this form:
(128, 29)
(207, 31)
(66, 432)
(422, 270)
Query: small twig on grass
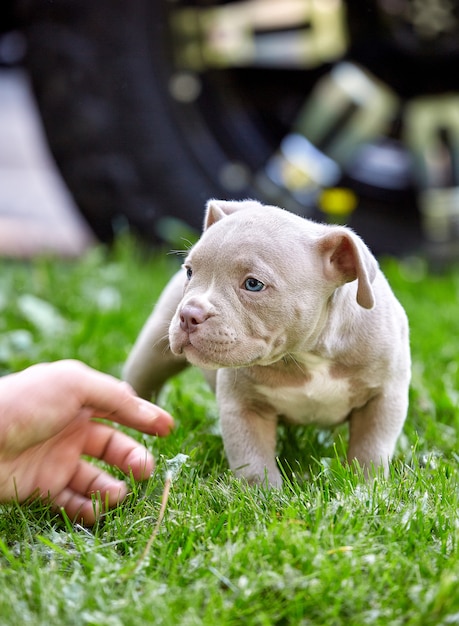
(162, 511)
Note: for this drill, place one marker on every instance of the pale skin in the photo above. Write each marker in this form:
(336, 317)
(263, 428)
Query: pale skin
(47, 423)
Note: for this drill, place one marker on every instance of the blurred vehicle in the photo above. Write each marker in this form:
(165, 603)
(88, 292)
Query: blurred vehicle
(340, 111)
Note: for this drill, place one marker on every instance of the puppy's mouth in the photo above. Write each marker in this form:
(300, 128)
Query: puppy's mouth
(203, 359)
(223, 347)
(214, 356)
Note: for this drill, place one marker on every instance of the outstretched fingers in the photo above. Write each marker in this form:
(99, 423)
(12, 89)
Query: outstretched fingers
(143, 416)
(119, 450)
(88, 480)
(117, 401)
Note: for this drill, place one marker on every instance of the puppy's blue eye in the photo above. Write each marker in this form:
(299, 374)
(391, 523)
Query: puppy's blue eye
(253, 284)
(189, 273)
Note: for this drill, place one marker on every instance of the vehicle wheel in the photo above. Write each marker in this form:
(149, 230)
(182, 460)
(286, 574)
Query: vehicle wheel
(318, 106)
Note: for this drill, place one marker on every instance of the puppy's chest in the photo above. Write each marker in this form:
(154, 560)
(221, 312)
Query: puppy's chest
(320, 399)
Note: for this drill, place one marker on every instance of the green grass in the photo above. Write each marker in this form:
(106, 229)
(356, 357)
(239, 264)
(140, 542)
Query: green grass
(327, 549)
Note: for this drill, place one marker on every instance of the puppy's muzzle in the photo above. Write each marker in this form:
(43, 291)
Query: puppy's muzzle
(191, 316)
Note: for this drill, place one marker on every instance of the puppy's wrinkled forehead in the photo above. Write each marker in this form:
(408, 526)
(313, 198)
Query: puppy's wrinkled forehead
(250, 237)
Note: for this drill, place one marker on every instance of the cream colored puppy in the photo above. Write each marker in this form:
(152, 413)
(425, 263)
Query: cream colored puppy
(296, 322)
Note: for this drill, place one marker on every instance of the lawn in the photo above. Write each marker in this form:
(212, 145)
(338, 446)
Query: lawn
(327, 549)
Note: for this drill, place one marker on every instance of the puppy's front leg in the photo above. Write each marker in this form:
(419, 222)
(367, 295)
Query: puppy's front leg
(249, 436)
(375, 428)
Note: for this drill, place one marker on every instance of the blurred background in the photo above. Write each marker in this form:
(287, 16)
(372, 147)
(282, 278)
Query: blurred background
(122, 115)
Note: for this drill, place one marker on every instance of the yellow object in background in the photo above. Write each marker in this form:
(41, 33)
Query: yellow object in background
(338, 203)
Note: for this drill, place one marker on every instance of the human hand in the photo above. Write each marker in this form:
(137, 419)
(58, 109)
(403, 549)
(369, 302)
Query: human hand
(46, 426)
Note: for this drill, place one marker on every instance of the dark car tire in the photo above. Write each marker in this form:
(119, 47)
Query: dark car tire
(98, 78)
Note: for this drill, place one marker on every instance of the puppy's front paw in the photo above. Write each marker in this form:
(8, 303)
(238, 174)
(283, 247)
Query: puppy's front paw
(263, 476)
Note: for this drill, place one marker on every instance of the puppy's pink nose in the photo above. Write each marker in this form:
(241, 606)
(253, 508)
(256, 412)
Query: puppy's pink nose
(191, 316)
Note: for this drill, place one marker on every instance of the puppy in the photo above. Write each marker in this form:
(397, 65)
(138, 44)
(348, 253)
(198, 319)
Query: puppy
(292, 320)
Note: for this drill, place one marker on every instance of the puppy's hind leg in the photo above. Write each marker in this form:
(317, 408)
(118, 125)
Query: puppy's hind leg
(151, 362)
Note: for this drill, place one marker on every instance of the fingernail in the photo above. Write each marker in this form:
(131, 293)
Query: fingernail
(152, 410)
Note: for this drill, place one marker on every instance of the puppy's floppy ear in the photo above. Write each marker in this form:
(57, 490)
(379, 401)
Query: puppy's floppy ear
(347, 258)
(217, 209)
